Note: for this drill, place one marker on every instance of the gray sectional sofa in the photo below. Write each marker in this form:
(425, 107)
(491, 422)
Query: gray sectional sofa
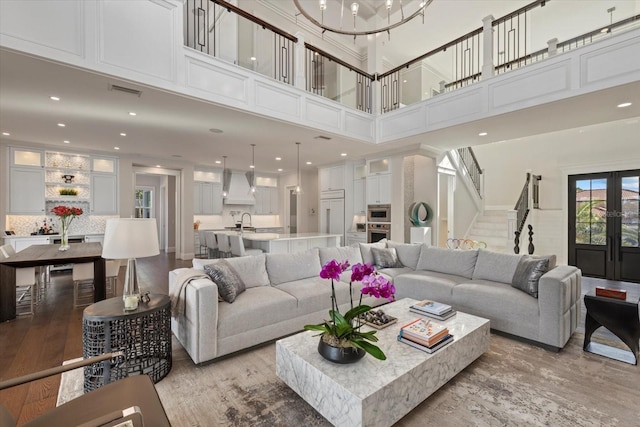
(284, 292)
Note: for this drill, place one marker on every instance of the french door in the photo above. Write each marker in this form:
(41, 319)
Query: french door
(604, 225)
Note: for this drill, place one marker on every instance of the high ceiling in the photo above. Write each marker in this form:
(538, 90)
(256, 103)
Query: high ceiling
(170, 129)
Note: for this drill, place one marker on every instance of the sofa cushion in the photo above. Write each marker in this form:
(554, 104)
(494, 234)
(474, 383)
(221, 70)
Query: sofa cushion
(349, 253)
(253, 309)
(365, 250)
(227, 280)
(314, 294)
(408, 253)
(252, 270)
(427, 285)
(528, 274)
(199, 263)
(284, 268)
(385, 258)
(449, 261)
(495, 266)
(390, 273)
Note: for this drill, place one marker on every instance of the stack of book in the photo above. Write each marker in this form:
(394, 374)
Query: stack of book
(425, 335)
(433, 309)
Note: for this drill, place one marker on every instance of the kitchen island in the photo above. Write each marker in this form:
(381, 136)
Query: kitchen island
(289, 242)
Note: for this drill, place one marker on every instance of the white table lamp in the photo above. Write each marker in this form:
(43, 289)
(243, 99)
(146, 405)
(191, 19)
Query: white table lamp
(130, 238)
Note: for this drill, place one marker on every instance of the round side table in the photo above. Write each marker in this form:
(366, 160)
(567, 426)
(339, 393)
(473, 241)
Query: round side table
(143, 335)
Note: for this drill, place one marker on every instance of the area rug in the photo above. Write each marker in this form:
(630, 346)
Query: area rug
(512, 384)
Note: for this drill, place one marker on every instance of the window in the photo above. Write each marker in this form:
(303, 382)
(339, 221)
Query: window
(144, 202)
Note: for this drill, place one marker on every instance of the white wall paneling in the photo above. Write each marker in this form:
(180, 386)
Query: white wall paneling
(205, 76)
(323, 114)
(277, 99)
(527, 88)
(359, 125)
(622, 60)
(461, 106)
(138, 36)
(58, 25)
(403, 122)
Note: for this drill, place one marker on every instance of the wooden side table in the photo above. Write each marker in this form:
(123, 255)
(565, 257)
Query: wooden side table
(618, 316)
(143, 335)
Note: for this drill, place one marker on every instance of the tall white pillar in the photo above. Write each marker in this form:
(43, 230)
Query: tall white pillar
(487, 47)
(300, 63)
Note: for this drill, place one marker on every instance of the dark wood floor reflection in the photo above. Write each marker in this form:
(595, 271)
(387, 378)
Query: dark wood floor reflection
(54, 334)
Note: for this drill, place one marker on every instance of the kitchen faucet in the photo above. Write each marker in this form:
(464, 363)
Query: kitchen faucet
(242, 220)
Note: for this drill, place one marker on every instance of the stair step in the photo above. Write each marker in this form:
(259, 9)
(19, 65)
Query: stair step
(488, 232)
(492, 219)
(490, 226)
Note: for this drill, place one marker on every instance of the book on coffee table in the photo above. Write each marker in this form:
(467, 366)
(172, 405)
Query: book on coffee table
(424, 332)
(434, 316)
(446, 340)
(432, 307)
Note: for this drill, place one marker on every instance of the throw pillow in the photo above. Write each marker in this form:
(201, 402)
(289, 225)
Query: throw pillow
(386, 258)
(528, 273)
(365, 250)
(408, 253)
(227, 280)
(252, 270)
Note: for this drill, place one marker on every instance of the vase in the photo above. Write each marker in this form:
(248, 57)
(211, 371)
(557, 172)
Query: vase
(64, 240)
(341, 355)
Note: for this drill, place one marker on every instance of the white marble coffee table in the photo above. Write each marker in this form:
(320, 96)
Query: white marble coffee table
(374, 392)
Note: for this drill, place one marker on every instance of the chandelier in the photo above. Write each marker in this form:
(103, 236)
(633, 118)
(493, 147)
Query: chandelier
(355, 7)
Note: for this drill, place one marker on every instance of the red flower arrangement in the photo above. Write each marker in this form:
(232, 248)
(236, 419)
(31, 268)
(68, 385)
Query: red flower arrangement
(65, 211)
(66, 215)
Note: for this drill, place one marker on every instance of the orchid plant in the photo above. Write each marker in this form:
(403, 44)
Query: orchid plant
(344, 329)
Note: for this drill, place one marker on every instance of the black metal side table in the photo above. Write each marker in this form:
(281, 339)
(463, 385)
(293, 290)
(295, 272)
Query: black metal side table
(143, 335)
(618, 316)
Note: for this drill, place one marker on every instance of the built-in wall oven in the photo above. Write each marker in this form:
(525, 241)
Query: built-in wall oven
(379, 213)
(378, 231)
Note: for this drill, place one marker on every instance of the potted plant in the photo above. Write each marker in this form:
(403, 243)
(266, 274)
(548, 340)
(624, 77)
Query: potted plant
(342, 340)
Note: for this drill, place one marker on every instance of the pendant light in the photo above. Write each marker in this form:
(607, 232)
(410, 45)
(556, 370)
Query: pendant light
(253, 169)
(224, 170)
(298, 186)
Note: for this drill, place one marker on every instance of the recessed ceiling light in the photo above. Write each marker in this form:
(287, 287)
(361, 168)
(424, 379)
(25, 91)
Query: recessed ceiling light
(308, 163)
(482, 134)
(214, 130)
(253, 58)
(343, 154)
(252, 166)
(61, 125)
(218, 162)
(54, 98)
(158, 166)
(67, 141)
(116, 148)
(123, 134)
(278, 158)
(404, 81)
(6, 133)
(131, 113)
(280, 170)
(624, 104)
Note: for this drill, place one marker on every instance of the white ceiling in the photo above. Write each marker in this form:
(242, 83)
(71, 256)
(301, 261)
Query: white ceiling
(170, 129)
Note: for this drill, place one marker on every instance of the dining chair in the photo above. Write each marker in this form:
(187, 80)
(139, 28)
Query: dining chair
(82, 276)
(212, 244)
(26, 283)
(223, 244)
(238, 249)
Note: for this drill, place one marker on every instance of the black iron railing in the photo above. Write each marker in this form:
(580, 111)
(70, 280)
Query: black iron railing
(522, 211)
(470, 162)
(324, 77)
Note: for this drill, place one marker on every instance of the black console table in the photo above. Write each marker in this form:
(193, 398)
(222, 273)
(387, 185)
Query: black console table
(143, 335)
(618, 316)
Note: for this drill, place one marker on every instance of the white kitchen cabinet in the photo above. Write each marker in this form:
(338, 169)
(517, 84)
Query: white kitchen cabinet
(331, 178)
(359, 197)
(332, 216)
(207, 198)
(379, 189)
(26, 190)
(26, 157)
(104, 194)
(267, 201)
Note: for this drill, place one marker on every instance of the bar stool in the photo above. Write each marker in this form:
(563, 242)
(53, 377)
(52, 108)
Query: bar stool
(26, 283)
(83, 281)
(223, 244)
(212, 244)
(202, 241)
(238, 249)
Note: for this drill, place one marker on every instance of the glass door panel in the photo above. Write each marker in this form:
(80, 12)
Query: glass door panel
(630, 212)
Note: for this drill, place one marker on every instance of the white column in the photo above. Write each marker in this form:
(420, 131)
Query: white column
(374, 64)
(487, 47)
(300, 63)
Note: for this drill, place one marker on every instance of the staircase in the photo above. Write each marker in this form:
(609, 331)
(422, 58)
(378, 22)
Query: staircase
(491, 228)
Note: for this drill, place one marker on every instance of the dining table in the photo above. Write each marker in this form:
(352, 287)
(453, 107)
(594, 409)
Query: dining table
(43, 255)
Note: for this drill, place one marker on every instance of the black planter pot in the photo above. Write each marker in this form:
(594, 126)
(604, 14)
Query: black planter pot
(340, 354)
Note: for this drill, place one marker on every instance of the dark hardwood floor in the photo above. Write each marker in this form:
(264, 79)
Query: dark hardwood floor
(54, 334)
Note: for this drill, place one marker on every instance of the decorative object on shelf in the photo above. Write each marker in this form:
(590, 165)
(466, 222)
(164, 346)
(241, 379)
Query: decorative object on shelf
(416, 210)
(341, 340)
(130, 238)
(68, 192)
(420, 6)
(68, 179)
(66, 215)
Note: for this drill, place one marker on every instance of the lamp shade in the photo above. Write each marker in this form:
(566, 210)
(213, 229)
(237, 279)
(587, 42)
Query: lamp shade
(126, 238)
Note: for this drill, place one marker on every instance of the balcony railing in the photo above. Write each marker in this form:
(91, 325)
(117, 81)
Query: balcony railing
(223, 30)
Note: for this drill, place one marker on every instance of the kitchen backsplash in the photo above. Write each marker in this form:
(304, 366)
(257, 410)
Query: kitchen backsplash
(24, 225)
(208, 222)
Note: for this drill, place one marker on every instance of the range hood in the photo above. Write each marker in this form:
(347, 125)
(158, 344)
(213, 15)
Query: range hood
(238, 187)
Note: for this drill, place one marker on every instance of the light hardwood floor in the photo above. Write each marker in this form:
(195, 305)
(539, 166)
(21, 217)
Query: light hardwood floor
(54, 334)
